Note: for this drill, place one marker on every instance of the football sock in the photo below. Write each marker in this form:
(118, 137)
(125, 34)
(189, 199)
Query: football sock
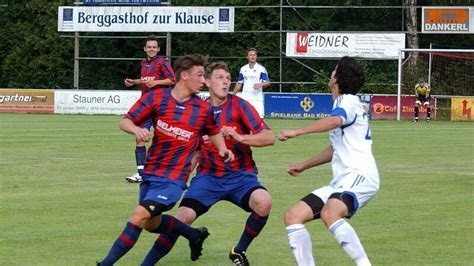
(140, 156)
(162, 246)
(300, 244)
(170, 225)
(254, 225)
(428, 112)
(416, 111)
(123, 244)
(349, 241)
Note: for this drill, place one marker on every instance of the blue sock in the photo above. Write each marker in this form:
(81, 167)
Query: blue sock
(123, 244)
(170, 225)
(140, 157)
(254, 225)
(162, 246)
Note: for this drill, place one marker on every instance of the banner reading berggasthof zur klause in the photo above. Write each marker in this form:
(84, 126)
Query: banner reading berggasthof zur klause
(145, 19)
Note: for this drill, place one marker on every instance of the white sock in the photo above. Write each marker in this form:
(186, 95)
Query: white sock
(349, 241)
(300, 244)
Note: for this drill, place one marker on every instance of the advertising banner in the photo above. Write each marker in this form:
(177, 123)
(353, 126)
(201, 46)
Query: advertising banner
(385, 107)
(145, 19)
(94, 102)
(122, 2)
(26, 101)
(297, 106)
(462, 109)
(336, 45)
(446, 19)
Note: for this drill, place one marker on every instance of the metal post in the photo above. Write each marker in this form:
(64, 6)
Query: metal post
(281, 42)
(76, 60)
(168, 45)
(168, 39)
(429, 64)
(399, 89)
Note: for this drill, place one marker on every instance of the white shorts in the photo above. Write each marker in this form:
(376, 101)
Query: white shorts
(362, 189)
(258, 104)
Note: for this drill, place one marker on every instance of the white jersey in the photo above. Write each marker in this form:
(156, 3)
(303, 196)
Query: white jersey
(352, 142)
(249, 76)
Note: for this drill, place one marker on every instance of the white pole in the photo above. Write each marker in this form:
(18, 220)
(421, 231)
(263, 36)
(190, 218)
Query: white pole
(399, 88)
(429, 64)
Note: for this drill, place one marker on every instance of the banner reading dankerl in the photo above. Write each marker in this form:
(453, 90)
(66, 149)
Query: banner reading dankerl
(335, 45)
(145, 19)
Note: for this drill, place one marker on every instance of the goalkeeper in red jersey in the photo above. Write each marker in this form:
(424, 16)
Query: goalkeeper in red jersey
(422, 91)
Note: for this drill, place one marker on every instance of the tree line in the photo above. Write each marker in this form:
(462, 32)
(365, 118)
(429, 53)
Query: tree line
(33, 54)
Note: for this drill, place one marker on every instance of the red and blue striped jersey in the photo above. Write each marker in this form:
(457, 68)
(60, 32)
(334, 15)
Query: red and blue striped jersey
(158, 68)
(178, 127)
(241, 115)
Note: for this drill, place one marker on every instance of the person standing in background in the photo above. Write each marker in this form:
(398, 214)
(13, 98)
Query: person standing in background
(253, 77)
(422, 92)
(155, 73)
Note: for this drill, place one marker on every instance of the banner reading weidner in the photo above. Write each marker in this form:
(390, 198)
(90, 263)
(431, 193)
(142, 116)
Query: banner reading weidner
(336, 45)
(145, 19)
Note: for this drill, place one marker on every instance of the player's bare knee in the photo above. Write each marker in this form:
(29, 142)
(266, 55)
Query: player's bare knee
(263, 206)
(327, 216)
(140, 216)
(186, 215)
(292, 216)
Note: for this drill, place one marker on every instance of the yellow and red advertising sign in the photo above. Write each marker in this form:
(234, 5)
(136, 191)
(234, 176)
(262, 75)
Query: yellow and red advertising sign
(385, 107)
(462, 109)
(26, 101)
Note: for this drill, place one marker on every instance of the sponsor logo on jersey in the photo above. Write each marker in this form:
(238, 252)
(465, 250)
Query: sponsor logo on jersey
(173, 131)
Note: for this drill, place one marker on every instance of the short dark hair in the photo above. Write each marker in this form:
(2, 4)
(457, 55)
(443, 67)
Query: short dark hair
(349, 75)
(251, 49)
(186, 62)
(151, 38)
(215, 66)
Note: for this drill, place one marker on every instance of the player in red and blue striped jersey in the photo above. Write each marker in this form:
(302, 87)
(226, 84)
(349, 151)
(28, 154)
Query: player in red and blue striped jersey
(155, 73)
(180, 119)
(217, 179)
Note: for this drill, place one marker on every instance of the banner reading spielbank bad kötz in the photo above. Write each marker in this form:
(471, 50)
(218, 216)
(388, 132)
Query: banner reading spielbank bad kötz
(145, 19)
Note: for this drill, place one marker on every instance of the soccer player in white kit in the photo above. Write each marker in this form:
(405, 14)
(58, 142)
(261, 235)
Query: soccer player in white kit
(355, 177)
(253, 77)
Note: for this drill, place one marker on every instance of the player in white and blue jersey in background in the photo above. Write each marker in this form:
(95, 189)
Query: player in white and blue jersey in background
(253, 77)
(355, 177)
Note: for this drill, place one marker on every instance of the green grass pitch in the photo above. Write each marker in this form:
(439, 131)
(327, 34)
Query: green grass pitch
(64, 200)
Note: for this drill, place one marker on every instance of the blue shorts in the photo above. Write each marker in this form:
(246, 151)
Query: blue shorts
(147, 124)
(234, 187)
(164, 191)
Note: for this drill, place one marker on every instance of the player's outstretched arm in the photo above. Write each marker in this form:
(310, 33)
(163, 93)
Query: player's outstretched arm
(261, 139)
(323, 157)
(322, 125)
(219, 142)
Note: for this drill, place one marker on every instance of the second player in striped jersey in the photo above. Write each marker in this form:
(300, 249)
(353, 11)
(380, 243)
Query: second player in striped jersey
(218, 180)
